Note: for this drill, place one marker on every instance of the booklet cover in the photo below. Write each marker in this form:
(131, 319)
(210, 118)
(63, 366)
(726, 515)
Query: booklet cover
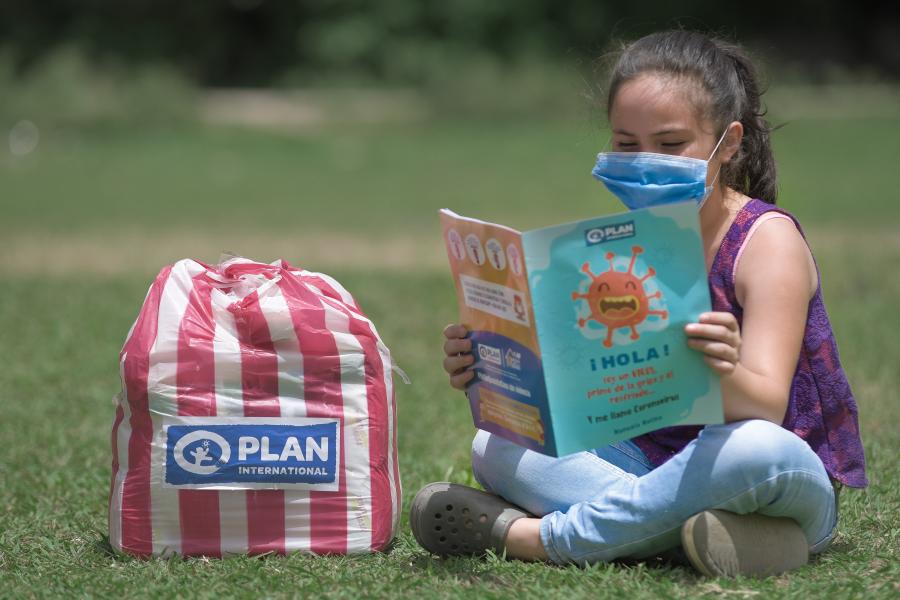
(578, 329)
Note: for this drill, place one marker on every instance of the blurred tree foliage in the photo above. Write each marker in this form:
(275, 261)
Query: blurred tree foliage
(264, 42)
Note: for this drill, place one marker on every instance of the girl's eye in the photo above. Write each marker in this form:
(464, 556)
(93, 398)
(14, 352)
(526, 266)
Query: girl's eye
(671, 144)
(627, 144)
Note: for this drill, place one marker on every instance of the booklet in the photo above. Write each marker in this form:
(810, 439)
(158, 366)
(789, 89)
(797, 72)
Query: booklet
(578, 329)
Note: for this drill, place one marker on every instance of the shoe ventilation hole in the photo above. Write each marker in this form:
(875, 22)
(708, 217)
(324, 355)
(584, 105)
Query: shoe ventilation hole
(465, 511)
(450, 519)
(442, 539)
(469, 523)
(449, 507)
(482, 519)
(454, 547)
(437, 527)
(437, 515)
(454, 531)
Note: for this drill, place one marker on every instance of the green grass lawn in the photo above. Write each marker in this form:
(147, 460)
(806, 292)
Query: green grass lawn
(392, 180)
(59, 337)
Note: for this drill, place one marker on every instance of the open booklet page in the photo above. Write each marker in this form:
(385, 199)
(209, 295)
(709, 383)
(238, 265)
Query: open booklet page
(508, 395)
(612, 296)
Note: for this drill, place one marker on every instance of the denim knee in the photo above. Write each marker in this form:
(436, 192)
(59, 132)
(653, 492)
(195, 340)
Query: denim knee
(758, 449)
(784, 476)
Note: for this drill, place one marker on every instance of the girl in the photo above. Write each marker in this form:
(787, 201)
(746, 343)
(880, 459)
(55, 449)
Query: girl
(755, 495)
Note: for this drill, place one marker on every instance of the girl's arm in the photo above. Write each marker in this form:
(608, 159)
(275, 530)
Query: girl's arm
(775, 279)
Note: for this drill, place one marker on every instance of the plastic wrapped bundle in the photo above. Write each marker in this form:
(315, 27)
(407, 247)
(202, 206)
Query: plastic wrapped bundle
(256, 415)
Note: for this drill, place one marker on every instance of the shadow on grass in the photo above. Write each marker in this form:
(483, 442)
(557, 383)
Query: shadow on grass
(841, 545)
(102, 546)
(457, 569)
(482, 570)
(839, 550)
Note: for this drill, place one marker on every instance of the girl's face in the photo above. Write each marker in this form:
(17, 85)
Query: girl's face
(653, 113)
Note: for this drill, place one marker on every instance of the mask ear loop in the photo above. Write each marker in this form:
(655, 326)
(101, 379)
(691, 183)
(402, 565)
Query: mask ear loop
(712, 183)
(605, 147)
(719, 143)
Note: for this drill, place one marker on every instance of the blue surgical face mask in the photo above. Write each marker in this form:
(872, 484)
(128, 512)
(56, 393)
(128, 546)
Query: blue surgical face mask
(642, 179)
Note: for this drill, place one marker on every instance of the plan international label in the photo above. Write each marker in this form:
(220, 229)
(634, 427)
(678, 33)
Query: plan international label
(252, 453)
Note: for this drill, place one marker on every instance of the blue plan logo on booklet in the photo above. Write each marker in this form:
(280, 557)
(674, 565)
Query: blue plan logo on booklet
(609, 233)
(252, 453)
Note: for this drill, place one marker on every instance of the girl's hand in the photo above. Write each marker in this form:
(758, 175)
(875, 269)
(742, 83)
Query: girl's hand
(718, 337)
(459, 356)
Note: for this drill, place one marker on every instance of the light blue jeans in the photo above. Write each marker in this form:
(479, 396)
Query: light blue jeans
(611, 503)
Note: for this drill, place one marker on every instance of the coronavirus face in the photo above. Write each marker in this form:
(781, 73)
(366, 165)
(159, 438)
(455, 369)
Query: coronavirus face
(618, 299)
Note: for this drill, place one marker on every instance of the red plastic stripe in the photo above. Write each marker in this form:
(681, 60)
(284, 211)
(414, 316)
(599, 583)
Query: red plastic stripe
(376, 398)
(322, 390)
(259, 376)
(196, 385)
(120, 414)
(137, 532)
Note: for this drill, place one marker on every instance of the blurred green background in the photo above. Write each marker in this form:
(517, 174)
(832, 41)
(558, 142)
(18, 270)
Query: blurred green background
(136, 133)
(139, 132)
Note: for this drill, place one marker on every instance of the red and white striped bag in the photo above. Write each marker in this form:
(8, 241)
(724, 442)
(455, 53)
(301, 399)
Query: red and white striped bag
(257, 415)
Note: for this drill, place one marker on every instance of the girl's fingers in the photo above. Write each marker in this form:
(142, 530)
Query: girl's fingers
(725, 319)
(455, 330)
(722, 326)
(718, 336)
(452, 364)
(459, 381)
(457, 346)
(719, 333)
(722, 367)
(715, 349)
(458, 349)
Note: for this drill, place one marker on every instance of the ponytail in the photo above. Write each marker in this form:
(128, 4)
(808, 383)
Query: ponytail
(751, 170)
(727, 75)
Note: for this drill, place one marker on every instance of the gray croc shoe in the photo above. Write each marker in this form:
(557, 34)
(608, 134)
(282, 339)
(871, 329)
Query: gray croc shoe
(719, 543)
(453, 520)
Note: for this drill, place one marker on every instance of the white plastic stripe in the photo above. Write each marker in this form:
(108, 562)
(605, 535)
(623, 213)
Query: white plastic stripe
(387, 364)
(346, 296)
(123, 435)
(162, 399)
(297, 523)
(233, 521)
(355, 430)
(131, 329)
(227, 351)
(229, 403)
(290, 360)
(396, 489)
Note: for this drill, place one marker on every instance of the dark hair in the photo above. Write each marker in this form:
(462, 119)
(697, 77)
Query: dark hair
(729, 79)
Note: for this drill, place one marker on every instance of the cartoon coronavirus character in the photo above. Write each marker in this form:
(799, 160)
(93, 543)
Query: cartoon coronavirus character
(617, 299)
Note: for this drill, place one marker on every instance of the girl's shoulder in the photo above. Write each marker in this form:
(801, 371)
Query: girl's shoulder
(774, 252)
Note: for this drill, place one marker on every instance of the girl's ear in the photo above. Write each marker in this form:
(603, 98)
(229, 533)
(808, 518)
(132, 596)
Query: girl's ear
(732, 142)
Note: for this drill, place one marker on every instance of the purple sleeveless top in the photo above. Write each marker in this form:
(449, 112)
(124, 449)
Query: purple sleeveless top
(821, 409)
